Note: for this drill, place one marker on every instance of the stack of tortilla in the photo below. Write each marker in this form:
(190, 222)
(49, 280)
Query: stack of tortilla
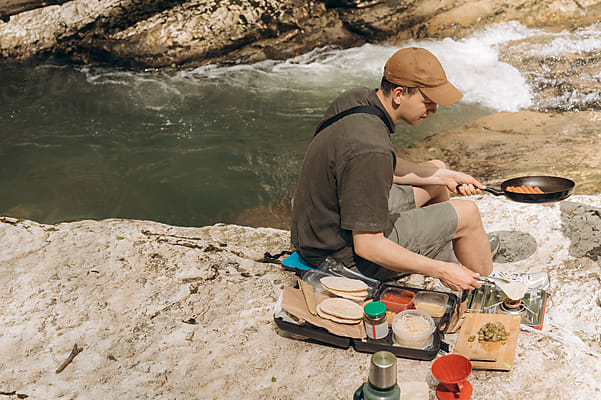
(340, 310)
(352, 289)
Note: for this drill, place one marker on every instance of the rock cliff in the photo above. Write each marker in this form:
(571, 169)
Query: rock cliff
(176, 33)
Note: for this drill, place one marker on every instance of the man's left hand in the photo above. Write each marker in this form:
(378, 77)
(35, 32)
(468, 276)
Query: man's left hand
(460, 183)
(467, 189)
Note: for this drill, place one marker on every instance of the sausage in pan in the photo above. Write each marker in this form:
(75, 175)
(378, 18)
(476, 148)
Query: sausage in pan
(524, 189)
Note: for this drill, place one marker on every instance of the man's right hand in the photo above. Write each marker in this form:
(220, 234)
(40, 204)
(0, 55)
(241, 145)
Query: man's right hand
(373, 246)
(457, 277)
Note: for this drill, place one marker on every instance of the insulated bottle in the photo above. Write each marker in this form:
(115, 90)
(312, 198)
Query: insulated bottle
(381, 383)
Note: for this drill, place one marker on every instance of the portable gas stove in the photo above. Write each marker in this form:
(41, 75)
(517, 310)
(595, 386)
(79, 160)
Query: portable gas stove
(489, 299)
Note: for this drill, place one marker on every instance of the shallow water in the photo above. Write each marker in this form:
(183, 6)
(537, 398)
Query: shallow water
(203, 146)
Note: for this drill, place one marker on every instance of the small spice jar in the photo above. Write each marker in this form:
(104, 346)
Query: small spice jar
(374, 318)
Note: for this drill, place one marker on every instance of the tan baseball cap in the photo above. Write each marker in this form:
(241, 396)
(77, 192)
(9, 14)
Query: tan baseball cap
(417, 67)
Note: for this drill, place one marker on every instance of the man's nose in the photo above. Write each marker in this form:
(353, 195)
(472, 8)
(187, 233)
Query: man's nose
(433, 108)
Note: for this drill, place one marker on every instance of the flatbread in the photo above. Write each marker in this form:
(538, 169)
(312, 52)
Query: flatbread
(336, 319)
(343, 284)
(342, 308)
(349, 295)
(362, 293)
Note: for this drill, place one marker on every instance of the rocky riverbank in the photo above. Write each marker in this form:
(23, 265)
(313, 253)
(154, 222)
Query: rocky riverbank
(506, 145)
(180, 34)
(167, 312)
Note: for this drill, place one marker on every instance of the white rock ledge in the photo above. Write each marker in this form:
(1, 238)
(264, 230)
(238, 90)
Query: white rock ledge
(122, 290)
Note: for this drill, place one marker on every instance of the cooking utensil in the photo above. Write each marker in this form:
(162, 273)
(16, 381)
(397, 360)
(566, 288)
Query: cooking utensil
(515, 290)
(491, 279)
(555, 189)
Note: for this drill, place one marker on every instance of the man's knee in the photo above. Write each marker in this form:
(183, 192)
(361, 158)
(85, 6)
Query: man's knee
(437, 163)
(468, 214)
(430, 194)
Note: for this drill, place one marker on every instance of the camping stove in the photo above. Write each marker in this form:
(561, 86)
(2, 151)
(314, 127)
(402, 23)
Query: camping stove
(489, 299)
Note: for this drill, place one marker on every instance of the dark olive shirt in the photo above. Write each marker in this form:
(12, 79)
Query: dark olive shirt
(344, 182)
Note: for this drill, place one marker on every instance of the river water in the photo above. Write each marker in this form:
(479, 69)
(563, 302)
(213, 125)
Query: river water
(198, 147)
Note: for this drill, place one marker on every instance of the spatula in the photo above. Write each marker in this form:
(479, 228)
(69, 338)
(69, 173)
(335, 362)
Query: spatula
(515, 290)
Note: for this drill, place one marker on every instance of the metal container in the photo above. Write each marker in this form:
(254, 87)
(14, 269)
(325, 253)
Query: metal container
(382, 371)
(381, 384)
(489, 299)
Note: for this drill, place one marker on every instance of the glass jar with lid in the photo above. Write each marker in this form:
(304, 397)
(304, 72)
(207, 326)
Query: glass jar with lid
(375, 321)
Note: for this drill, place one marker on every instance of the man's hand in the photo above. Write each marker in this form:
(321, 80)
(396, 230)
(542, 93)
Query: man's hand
(373, 246)
(452, 179)
(434, 172)
(457, 277)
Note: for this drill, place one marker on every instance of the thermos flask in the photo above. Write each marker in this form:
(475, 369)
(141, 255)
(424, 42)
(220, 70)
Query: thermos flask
(381, 383)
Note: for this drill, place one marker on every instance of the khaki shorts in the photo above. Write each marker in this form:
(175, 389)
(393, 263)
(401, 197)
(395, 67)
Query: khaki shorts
(428, 231)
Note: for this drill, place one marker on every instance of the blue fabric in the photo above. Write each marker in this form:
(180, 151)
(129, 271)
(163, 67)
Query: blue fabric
(295, 261)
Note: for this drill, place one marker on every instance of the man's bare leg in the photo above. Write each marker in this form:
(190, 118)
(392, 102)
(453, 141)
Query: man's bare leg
(431, 194)
(471, 245)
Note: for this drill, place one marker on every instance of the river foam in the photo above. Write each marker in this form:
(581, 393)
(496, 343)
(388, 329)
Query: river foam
(583, 40)
(563, 68)
(472, 64)
(478, 65)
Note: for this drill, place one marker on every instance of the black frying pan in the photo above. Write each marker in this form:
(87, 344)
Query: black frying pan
(554, 188)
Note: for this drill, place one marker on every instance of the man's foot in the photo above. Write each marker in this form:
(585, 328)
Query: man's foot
(495, 244)
(534, 280)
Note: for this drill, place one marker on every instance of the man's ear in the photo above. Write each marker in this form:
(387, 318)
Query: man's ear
(397, 94)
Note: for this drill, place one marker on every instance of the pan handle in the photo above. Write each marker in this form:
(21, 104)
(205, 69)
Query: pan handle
(488, 189)
(496, 192)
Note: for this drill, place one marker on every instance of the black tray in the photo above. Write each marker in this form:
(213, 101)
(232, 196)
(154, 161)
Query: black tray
(367, 345)
(314, 334)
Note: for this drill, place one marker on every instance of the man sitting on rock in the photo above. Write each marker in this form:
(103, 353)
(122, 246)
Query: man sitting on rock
(360, 204)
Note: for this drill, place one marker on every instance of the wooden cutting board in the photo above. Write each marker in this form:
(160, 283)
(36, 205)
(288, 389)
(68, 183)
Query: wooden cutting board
(488, 355)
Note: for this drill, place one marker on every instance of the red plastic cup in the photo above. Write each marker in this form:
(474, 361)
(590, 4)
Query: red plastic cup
(451, 371)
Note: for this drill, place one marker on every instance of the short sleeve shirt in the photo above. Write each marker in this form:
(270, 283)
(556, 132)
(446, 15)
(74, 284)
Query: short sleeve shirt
(345, 180)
